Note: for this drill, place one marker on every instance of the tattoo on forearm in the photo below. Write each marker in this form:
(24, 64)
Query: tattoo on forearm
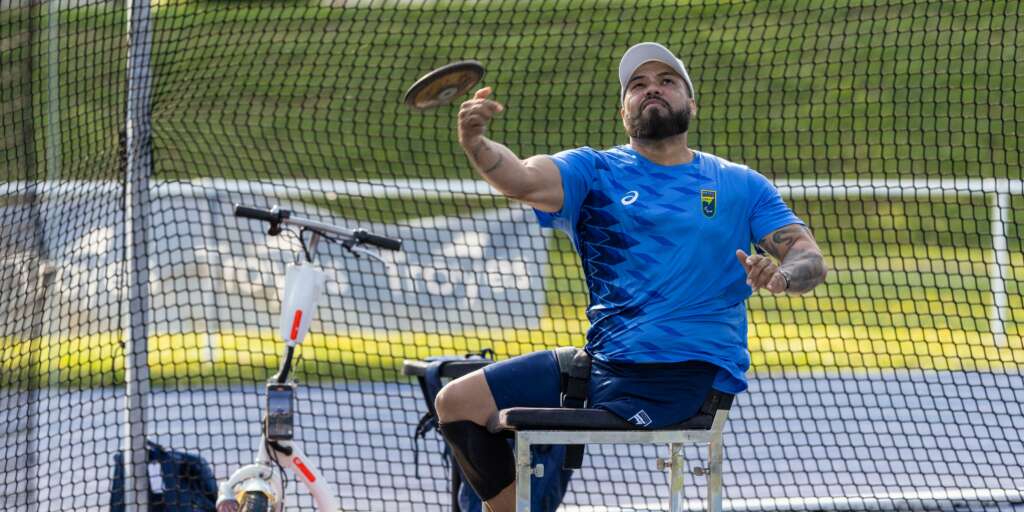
(806, 269)
(501, 158)
(803, 263)
(482, 148)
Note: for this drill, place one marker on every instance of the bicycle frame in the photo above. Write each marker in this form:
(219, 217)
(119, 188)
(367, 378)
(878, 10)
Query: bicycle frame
(261, 476)
(304, 286)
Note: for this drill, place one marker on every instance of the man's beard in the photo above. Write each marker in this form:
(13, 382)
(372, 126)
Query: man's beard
(656, 125)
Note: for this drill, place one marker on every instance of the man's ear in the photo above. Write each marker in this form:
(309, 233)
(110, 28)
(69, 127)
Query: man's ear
(693, 108)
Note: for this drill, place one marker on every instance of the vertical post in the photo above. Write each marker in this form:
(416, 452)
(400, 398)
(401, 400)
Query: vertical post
(524, 472)
(715, 454)
(998, 313)
(211, 279)
(53, 134)
(139, 168)
(675, 486)
(33, 382)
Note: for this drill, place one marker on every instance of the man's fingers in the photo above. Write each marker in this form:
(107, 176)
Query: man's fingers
(483, 93)
(483, 108)
(777, 284)
(759, 271)
(762, 272)
(742, 256)
(753, 262)
(474, 116)
(480, 97)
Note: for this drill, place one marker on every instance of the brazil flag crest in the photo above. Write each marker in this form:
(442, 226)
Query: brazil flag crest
(708, 203)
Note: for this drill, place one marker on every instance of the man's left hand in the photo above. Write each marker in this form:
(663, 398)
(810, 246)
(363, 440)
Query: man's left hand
(762, 272)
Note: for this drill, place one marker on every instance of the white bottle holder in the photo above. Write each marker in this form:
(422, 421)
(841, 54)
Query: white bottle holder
(303, 287)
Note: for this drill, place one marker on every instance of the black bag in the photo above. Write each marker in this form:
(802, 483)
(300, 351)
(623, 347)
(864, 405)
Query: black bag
(185, 483)
(547, 492)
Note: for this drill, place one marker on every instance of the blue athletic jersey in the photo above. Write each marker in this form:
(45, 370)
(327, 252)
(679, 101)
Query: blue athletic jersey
(657, 245)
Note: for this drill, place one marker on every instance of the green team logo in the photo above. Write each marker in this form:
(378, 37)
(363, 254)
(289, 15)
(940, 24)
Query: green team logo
(708, 203)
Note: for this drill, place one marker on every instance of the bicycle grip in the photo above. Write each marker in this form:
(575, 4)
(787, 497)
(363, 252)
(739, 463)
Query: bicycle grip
(392, 244)
(256, 213)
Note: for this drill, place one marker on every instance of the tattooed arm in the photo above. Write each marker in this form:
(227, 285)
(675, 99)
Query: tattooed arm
(535, 181)
(802, 266)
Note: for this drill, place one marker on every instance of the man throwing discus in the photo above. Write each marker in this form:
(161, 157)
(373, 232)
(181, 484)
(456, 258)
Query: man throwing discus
(663, 233)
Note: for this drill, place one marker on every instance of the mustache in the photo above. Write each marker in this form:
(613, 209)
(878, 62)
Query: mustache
(654, 100)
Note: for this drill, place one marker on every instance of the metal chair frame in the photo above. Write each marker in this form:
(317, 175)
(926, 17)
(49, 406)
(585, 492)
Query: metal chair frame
(526, 439)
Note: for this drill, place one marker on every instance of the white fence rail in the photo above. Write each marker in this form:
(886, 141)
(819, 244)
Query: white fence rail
(997, 192)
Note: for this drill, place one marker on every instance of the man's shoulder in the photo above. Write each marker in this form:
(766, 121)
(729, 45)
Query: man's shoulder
(599, 159)
(723, 165)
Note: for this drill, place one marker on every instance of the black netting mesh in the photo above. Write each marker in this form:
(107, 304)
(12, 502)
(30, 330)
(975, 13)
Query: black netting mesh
(892, 127)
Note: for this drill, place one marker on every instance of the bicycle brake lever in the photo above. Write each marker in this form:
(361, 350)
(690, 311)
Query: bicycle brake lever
(357, 250)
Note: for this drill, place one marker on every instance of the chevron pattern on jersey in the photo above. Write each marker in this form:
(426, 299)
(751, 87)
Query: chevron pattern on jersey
(603, 247)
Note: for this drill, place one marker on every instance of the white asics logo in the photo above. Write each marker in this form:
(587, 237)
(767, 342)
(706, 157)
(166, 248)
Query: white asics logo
(641, 419)
(630, 197)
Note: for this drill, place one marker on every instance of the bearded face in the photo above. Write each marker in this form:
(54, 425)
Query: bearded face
(657, 120)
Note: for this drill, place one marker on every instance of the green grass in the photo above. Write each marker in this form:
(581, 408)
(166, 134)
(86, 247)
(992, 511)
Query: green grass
(265, 90)
(277, 90)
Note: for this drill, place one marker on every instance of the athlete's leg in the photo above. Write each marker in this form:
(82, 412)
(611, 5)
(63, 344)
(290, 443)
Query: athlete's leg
(466, 405)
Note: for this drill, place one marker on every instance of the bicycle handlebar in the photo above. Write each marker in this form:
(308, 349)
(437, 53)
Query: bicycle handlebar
(277, 216)
(259, 214)
(383, 242)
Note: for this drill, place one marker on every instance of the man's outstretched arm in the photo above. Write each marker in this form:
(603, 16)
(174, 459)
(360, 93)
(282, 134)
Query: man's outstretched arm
(535, 181)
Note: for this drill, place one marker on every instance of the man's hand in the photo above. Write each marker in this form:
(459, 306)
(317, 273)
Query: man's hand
(474, 114)
(762, 272)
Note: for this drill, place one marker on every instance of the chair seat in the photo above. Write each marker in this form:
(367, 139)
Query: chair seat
(535, 418)
(451, 370)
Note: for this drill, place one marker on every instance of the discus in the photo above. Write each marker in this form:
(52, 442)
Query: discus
(441, 86)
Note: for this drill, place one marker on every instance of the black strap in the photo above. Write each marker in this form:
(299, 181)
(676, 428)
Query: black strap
(574, 366)
(715, 401)
(431, 384)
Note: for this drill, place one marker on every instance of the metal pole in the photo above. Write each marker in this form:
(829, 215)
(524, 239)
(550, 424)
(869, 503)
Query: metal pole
(33, 382)
(53, 136)
(675, 477)
(524, 472)
(998, 313)
(213, 279)
(139, 168)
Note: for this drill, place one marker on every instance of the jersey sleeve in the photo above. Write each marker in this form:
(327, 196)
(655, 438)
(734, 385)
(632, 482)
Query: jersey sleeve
(577, 168)
(768, 212)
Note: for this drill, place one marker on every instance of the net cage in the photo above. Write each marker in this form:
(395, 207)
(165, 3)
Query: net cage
(133, 302)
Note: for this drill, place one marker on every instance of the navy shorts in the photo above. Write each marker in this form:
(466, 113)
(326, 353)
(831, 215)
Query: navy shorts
(650, 395)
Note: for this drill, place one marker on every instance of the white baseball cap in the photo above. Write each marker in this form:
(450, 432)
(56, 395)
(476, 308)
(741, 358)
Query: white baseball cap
(642, 53)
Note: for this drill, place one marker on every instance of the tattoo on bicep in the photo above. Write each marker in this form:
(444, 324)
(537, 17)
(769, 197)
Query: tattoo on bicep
(781, 240)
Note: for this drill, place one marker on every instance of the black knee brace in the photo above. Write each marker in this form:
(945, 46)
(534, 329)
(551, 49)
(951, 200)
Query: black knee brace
(485, 458)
